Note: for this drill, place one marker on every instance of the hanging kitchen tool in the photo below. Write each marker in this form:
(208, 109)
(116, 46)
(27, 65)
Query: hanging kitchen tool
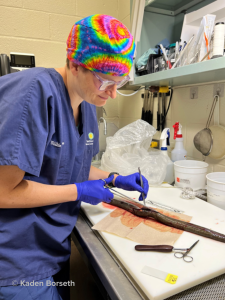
(168, 107)
(163, 111)
(148, 114)
(143, 116)
(143, 109)
(149, 108)
(160, 110)
(152, 109)
(146, 106)
(165, 98)
(203, 140)
(218, 135)
(158, 114)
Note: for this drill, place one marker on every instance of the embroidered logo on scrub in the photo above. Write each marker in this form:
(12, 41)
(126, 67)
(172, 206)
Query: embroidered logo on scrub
(91, 135)
(91, 139)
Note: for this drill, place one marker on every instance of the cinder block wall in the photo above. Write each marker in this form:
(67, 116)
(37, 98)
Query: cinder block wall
(41, 27)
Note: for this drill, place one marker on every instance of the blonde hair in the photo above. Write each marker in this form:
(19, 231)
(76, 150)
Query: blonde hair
(68, 65)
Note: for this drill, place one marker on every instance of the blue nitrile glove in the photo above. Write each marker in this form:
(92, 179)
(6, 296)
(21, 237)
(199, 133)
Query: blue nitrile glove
(93, 191)
(132, 183)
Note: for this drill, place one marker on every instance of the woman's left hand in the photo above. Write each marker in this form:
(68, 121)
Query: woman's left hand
(132, 183)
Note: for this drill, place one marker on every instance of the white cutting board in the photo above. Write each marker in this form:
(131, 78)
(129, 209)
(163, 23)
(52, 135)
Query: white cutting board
(209, 255)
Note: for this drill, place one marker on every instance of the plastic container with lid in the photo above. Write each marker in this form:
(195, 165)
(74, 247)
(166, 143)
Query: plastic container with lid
(190, 173)
(216, 189)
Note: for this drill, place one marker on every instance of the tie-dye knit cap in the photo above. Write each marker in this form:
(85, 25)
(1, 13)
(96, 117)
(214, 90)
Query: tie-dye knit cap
(102, 44)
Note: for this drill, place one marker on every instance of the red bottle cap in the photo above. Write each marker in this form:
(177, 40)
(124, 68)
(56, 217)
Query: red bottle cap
(176, 127)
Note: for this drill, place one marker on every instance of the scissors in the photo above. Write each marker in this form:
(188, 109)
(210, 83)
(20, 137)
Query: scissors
(168, 248)
(185, 256)
(116, 193)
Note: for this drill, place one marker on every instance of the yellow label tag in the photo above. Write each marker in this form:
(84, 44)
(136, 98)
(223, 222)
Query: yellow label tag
(170, 278)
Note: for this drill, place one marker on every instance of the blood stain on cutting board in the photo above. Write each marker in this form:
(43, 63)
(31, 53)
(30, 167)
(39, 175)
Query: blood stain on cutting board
(218, 221)
(109, 206)
(132, 221)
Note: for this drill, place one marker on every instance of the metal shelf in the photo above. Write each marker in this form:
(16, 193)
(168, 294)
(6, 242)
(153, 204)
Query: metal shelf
(169, 7)
(207, 71)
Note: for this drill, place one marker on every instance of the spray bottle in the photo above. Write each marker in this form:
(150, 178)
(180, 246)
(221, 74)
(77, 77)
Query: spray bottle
(165, 136)
(178, 153)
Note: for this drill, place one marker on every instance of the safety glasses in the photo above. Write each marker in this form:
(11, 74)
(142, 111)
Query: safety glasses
(103, 84)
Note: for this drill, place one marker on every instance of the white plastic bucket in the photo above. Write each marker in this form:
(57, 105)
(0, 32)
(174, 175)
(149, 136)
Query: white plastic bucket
(190, 173)
(216, 189)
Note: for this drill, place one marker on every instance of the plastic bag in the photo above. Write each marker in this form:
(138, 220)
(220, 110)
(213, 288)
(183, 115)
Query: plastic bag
(202, 42)
(142, 61)
(208, 23)
(128, 149)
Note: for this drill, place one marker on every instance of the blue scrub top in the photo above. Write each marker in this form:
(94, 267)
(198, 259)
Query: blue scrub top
(39, 135)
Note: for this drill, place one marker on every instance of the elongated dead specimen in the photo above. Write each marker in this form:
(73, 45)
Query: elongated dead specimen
(145, 212)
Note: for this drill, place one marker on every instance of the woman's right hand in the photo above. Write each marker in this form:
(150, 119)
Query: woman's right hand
(94, 192)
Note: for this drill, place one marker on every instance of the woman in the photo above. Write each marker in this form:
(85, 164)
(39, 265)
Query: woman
(49, 134)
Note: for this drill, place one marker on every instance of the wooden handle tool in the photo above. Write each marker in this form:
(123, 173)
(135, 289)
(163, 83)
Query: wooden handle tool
(159, 248)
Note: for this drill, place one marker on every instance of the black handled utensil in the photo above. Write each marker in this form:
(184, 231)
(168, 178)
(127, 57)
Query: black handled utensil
(143, 108)
(158, 113)
(151, 108)
(158, 248)
(148, 112)
(163, 111)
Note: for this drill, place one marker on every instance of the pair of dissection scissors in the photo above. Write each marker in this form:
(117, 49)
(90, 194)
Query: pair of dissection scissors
(116, 193)
(167, 248)
(185, 255)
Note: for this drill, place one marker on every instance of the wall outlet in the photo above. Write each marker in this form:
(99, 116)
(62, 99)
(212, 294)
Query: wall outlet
(218, 89)
(194, 92)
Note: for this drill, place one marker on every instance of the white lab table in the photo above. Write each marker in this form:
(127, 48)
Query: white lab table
(118, 266)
